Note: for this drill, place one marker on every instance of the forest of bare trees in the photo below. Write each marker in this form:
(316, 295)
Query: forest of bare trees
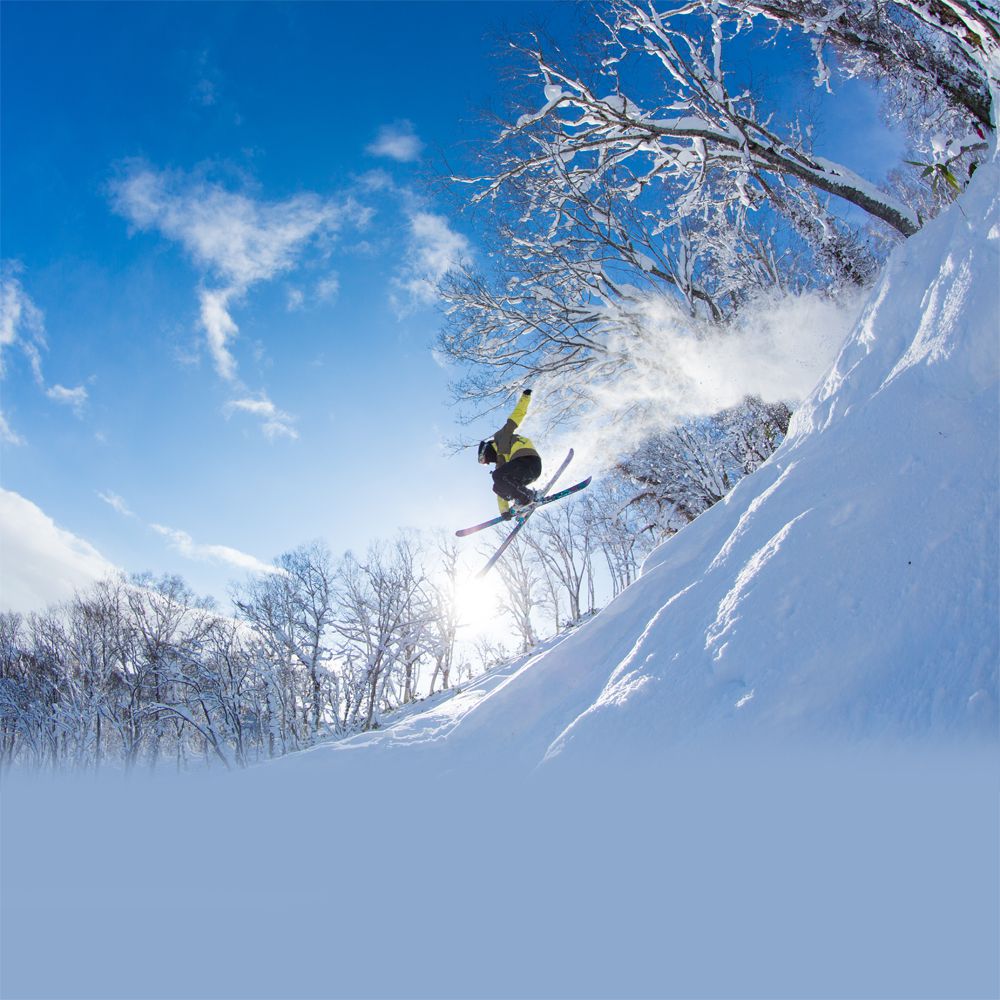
(639, 168)
(600, 191)
(141, 672)
(638, 162)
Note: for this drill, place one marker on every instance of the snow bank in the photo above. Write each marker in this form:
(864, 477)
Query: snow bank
(849, 588)
(758, 773)
(846, 593)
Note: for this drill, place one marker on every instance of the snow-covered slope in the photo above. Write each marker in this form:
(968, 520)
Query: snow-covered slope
(848, 590)
(834, 622)
(850, 586)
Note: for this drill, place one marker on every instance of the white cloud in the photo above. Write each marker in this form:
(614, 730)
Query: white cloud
(234, 239)
(182, 542)
(7, 434)
(220, 328)
(116, 502)
(206, 88)
(76, 398)
(397, 141)
(205, 93)
(374, 181)
(323, 290)
(22, 326)
(22, 323)
(328, 288)
(433, 250)
(41, 563)
(275, 423)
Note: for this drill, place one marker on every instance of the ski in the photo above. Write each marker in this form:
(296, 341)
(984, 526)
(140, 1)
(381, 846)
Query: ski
(541, 501)
(462, 532)
(568, 491)
(499, 520)
(522, 521)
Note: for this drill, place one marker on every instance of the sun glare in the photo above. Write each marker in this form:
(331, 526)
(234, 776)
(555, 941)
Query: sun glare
(479, 604)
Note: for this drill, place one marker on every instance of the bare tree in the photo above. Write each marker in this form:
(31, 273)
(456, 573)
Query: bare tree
(521, 582)
(679, 473)
(263, 602)
(11, 643)
(490, 653)
(443, 598)
(381, 619)
(696, 130)
(163, 623)
(615, 530)
(228, 683)
(917, 48)
(562, 542)
(308, 575)
(292, 610)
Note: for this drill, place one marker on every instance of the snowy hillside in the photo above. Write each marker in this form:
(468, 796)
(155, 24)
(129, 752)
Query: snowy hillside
(843, 597)
(847, 590)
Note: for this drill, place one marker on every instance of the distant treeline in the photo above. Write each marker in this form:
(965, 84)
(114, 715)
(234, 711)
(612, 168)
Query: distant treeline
(141, 671)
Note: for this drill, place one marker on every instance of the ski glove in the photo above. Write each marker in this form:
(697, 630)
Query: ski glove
(507, 514)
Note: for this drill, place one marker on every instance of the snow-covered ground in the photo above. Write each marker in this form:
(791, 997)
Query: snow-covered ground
(768, 769)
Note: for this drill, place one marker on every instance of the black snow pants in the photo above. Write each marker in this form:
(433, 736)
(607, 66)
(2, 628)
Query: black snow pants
(510, 479)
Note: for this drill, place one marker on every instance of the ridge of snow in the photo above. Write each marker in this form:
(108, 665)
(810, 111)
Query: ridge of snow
(527, 834)
(847, 590)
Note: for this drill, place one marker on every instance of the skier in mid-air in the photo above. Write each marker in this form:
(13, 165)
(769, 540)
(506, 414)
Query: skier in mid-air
(517, 466)
(517, 462)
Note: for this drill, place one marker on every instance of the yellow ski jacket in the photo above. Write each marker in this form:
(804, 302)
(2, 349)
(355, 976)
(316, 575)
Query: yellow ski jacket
(510, 445)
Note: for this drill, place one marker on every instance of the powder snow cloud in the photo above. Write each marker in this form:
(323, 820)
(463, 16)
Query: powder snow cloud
(674, 370)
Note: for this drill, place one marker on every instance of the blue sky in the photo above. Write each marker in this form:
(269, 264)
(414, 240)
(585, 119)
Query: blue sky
(218, 261)
(220, 253)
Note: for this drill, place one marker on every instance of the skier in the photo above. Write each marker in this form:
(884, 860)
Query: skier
(517, 462)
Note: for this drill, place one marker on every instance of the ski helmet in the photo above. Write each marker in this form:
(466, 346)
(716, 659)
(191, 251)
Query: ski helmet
(487, 451)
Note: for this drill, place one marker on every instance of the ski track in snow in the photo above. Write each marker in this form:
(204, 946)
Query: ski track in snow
(625, 681)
